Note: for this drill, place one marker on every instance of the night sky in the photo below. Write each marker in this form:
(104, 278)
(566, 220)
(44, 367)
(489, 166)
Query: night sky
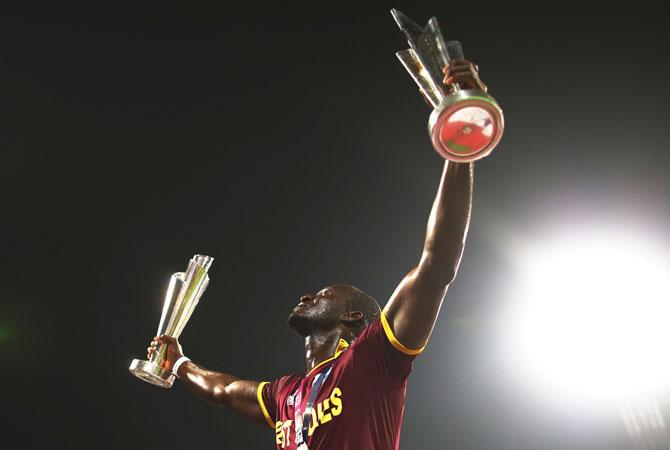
(287, 142)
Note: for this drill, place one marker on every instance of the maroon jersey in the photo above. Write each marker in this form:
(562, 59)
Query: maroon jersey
(360, 398)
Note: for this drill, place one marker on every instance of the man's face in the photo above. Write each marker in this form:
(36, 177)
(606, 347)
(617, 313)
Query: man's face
(318, 312)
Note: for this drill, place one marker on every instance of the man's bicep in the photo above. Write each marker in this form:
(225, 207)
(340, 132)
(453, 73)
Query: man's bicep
(271, 393)
(245, 400)
(413, 308)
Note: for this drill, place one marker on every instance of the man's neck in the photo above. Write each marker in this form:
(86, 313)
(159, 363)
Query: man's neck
(321, 346)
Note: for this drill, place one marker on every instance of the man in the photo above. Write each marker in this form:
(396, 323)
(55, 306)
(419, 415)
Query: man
(358, 357)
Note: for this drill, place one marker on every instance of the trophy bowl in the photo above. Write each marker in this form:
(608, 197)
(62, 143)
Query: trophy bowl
(466, 126)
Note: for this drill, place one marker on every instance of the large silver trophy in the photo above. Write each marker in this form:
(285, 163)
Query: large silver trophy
(465, 125)
(183, 294)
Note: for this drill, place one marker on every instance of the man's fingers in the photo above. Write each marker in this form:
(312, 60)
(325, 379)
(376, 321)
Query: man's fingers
(449, 78)
(456, 70)
(165, 339)
(466, 76)
(456, 63)
(470, 67)
(461, 75)
(459, 79)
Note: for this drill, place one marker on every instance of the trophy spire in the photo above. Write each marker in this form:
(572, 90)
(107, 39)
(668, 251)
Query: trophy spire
(409, 28)
(426, 57)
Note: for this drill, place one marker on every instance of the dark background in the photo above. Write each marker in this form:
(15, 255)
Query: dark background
(287, 141)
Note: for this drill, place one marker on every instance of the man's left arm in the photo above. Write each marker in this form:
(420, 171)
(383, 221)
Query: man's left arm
(413, 308)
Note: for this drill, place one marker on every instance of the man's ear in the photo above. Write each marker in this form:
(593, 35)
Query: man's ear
(352, 316)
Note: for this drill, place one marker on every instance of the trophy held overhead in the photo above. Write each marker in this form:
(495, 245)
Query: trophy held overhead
(466, 124)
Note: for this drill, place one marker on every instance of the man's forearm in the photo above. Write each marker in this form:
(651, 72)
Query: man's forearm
(414, 305)
(448, 222)
(207, 384)
(223, 389)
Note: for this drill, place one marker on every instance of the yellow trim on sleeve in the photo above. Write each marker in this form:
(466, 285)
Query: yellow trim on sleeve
(259, 396)
(394, 341)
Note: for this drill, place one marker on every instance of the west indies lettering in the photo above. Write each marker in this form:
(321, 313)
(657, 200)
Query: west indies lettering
(323, 412)
(326, 410)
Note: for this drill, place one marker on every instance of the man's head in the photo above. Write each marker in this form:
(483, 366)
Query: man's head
(339, 305)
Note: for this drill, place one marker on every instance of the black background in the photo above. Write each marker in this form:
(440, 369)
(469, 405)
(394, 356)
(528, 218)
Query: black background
(286, 141)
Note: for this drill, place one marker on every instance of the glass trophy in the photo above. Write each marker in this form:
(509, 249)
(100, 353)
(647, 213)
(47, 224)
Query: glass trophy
(465, 125)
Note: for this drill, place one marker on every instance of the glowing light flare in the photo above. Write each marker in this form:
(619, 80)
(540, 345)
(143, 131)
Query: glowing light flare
(593, 319)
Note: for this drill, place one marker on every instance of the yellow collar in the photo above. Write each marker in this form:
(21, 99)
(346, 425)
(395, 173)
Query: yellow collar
(341, 346)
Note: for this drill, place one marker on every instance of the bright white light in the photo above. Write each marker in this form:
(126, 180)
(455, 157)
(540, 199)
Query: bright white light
(593, 320)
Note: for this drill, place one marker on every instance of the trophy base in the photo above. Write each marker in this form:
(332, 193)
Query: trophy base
(466, 126)
(151, 373)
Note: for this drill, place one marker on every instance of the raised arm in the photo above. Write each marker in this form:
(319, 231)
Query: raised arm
(413, 308)
(216, 388)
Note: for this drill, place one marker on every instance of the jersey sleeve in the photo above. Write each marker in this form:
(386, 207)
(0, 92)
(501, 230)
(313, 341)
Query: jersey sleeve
(269, 393)
(379, 353)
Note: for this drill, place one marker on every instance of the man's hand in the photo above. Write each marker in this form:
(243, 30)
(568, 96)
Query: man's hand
(174, 350)
(463, 73)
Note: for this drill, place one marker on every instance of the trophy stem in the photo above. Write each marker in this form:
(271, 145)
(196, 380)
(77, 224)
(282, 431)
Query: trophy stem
(175, 287)
(196, 276)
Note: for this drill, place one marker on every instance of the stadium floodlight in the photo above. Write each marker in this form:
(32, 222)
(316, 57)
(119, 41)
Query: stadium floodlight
(592, 318)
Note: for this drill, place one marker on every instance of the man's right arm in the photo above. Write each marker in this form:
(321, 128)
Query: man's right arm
(216, 388)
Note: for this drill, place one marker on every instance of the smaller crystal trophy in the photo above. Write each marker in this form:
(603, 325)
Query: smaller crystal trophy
(183, 294)
(465, 125)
